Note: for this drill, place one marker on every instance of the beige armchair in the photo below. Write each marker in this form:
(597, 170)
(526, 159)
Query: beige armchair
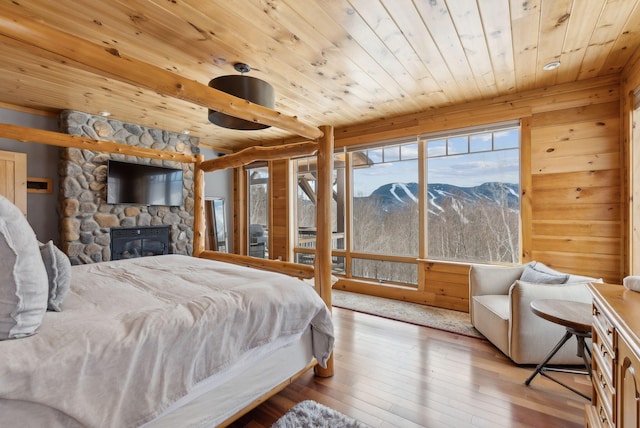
(500, 310)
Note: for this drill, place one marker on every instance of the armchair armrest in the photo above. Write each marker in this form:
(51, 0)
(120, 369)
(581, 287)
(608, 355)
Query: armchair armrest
(530, 336)
(525, 292)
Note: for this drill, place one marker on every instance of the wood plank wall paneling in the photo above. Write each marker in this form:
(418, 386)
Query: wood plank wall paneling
(448, 283)
(630, 137)
(508, 107)
(279, 236)
(576, 189)
(574, 219)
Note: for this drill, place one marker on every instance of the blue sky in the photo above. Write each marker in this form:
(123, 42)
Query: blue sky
(465, 170)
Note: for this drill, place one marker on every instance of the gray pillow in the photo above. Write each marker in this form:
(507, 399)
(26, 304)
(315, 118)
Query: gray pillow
(572, 278)
(538, 275)
(58, 269)
(24, 289)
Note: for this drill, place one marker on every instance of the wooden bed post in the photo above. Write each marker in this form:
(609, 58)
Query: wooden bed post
(323, 227)
(199, 224)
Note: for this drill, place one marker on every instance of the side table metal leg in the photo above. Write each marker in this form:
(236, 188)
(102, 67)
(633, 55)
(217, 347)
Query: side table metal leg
(586, 356)
(555, 349)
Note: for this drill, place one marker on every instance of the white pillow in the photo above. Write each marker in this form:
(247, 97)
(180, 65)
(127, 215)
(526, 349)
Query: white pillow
(58, 269)
(23, 288)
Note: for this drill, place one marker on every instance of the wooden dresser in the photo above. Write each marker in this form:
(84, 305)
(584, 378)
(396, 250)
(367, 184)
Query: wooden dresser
(615, 358)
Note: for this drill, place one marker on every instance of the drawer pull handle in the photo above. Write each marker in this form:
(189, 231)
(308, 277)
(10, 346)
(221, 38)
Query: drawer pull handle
(603, 416)
(603, 350)
(596, 312)
(603, 382)
(609, 332)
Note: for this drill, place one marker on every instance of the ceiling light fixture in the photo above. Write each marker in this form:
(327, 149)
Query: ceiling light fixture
(551, 66)
(104, 113)
(248, 88)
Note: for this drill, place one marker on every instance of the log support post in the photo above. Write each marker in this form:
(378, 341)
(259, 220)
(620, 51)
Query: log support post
(323, 227)
(199, 222)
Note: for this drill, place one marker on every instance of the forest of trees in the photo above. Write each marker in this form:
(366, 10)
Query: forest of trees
(484, 228)
(485, 231)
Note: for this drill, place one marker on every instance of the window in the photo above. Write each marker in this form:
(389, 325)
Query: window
(306, 209)
(258, 215)
(385, 200)
(385, 271)
(474, 196)
(385, 213)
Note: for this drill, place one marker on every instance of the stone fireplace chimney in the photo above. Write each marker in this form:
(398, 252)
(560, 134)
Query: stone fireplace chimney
(85, 216)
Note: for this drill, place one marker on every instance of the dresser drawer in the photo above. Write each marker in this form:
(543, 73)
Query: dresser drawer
(603, 356)
(603, 327)
(600, 416)
(605, 393)
(594, 420)
(602, 371)
(591, 417)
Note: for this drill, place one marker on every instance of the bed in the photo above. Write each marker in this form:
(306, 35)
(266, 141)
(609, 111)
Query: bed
(161, 341)
(140, 339)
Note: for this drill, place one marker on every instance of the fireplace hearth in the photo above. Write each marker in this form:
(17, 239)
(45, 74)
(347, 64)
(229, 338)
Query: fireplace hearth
(141, 241)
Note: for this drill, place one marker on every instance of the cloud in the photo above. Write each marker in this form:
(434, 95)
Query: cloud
(473, 170)
(466, 170)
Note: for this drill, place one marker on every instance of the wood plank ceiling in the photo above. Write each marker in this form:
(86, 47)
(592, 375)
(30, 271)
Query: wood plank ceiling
(331, 62)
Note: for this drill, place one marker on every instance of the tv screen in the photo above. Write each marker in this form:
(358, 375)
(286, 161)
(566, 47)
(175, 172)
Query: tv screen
(130, 183)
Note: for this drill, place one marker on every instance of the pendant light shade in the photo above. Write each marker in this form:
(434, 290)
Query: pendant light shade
(249, 88)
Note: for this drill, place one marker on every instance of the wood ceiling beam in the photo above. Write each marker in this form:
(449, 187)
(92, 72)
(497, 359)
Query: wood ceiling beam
(40, 39)
(32, 135)
(255, 153)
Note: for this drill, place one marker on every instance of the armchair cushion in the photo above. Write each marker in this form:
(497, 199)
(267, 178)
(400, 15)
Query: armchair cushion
(493, 319)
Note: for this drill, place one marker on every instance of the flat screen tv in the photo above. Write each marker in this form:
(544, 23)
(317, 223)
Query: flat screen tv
(130, 183)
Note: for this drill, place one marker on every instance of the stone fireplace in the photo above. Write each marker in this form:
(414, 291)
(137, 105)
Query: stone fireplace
(86, 219)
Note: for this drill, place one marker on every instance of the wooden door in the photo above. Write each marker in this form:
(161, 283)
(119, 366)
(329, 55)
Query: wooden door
(13, 178)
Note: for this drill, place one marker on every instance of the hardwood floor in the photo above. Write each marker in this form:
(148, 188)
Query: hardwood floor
(393, 374)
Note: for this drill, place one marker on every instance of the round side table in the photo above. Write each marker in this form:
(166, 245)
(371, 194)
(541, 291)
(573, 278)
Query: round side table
(576, 317)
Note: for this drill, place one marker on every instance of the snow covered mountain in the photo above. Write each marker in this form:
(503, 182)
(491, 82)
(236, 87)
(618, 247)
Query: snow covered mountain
(396, 195)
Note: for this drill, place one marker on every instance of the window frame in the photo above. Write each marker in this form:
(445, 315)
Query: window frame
(348, 254)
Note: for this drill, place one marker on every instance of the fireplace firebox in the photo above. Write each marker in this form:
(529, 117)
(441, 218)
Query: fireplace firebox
(140, 241)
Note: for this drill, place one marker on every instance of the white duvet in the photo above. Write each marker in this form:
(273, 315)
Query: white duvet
(136, 335)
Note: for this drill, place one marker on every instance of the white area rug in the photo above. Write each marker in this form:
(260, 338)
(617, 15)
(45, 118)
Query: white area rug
(309, 414)
(428, 316)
